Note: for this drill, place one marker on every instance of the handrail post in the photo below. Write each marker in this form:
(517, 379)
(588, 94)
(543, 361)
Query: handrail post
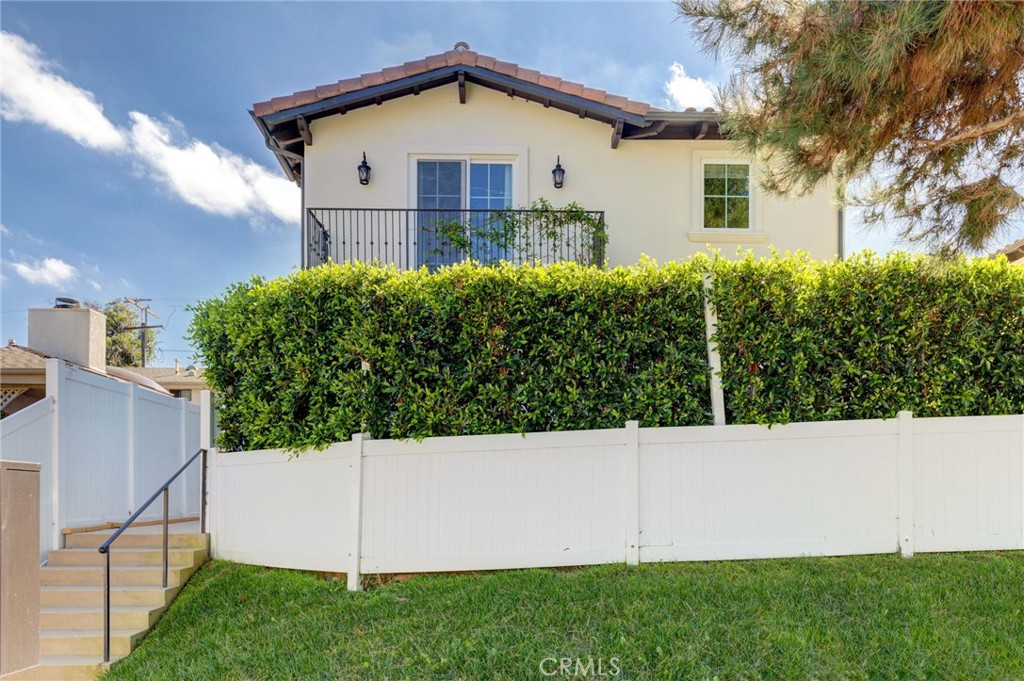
(106, 608)
(167, 497)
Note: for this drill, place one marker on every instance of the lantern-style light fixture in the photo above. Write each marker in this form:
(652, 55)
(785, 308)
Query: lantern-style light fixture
(558, 174)
(364, 171)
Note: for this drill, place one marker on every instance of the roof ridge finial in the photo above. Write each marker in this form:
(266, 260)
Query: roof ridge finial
(461, 46)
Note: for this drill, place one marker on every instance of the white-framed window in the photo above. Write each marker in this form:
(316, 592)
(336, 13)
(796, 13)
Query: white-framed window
(726, 195)
(725, 198)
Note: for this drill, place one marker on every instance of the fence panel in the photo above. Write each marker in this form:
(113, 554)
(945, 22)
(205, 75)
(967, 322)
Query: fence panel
(721, 492)
(192, 480)
(969, 483)
(27, 435)
(493, 501)
(158, 450)
(94, 442)
(272, 510)
(574, 498)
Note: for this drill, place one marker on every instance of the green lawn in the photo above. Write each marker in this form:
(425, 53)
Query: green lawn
(958, 616)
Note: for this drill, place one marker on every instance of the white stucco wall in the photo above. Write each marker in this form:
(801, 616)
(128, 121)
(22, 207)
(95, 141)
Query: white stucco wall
(645, 187)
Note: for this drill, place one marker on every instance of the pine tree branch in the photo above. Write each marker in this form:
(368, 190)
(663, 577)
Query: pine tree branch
(973, 133)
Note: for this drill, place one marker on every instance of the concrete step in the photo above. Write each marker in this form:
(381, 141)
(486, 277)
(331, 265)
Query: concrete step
(91, 617)
(153, 540)
(75, 642)
(62, 668)
(119, 555)
(119, 575)
(153, 596)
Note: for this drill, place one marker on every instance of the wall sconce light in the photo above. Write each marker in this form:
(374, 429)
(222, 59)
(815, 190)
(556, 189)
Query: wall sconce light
(364, 171)
(558, 174)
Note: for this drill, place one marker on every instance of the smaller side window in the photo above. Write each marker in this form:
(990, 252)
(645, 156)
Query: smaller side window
(726, 196)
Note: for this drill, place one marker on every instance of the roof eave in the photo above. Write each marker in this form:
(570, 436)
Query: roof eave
(377, 94)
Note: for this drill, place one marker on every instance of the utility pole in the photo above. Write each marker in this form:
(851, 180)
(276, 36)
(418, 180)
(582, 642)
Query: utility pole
(144, 329)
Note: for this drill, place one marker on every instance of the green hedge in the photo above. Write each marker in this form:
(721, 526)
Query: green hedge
(867, 337)
(465, 350)
(516, 349)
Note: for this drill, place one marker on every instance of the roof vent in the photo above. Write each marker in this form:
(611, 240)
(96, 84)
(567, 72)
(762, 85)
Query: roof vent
(64, 303)
(461, 46)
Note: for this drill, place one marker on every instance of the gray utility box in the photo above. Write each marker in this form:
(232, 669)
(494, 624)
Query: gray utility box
(19, 566)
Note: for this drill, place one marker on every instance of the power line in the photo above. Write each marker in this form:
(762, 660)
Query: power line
(143, 330)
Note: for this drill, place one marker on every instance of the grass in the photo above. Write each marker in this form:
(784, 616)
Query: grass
(954, 616)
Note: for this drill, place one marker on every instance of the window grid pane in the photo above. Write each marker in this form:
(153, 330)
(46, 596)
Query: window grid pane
(726, 196)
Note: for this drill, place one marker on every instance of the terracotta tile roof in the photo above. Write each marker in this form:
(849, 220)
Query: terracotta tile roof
(22, 358)
(450, 58)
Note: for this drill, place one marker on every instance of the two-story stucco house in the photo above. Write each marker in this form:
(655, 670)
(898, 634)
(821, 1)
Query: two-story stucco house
(426, 163)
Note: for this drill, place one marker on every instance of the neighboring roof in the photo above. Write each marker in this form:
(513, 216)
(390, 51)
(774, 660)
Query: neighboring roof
(160, 373)
(19, 364)
(1013, 251)
(18, 358)
(126, 374)
(284, 121)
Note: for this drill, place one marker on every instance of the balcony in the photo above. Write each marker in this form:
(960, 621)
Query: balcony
(412, 238)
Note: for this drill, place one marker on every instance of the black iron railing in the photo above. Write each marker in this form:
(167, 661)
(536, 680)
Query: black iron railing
(107, 545)
(412, 238)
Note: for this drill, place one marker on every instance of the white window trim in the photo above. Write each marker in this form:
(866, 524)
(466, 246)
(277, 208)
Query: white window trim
(752, 234)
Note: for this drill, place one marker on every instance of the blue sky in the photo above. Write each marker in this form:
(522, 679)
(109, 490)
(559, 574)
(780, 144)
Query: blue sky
(129, 165)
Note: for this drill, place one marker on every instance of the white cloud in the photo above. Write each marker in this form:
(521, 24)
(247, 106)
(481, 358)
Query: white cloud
(32, 91)
(51, 271)
(95, 284)
(4, 230)
(207, 176)
(685, 91)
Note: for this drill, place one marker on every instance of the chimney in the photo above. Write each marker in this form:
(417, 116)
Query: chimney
(70, 331)
(177, 366)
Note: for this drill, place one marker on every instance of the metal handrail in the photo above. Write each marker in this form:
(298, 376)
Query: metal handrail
(105, 547)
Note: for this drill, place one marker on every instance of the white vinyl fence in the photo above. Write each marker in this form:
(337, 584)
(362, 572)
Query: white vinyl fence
(105, 446)
(625, 495)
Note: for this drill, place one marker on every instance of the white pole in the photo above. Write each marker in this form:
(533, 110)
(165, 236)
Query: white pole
(906, 483)
(714, 359)
(355, 582)
(632, 493)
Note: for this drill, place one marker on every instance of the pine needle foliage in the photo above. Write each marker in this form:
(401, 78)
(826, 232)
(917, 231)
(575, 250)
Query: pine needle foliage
(923, 101)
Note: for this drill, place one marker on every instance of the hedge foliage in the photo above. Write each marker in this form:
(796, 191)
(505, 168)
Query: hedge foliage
(464, 350)
(868, 337)
(314, 357)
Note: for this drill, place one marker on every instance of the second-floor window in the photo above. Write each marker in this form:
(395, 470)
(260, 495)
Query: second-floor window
(726, 195)
(462, 192)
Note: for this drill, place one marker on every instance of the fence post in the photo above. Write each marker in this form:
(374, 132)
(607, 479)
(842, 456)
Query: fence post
(56, 375)
(906, 483)
(355, 581)
(130, 447)
(714, 359)
(632, 493)
(182, 440)
(210, 461)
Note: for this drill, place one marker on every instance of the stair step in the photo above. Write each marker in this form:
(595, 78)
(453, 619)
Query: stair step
(87, 641)
(144, 576)
(93, 540)
(76, 617)
(80, 595)
(62, 668)
(119, 555)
